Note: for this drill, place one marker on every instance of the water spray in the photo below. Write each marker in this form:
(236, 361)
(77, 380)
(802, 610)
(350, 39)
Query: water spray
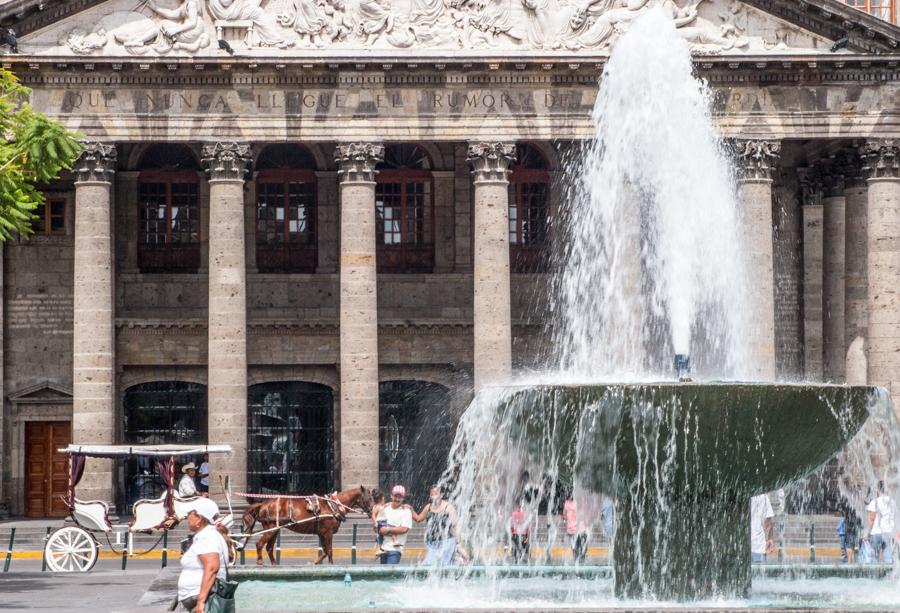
(683, 367)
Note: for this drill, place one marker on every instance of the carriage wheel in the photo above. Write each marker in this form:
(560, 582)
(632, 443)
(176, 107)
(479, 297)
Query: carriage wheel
(70, 550)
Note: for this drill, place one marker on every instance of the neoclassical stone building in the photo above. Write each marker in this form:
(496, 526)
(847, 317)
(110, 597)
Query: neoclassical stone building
(311, 228)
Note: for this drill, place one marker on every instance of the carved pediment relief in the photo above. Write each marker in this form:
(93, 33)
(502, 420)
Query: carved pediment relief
(42, 393)
(211, 28)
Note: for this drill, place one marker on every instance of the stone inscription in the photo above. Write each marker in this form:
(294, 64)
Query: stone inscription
(369, 102)
(48, 314)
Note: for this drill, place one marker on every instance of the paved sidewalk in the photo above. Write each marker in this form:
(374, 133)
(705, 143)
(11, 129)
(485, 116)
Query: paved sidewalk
(99, 591)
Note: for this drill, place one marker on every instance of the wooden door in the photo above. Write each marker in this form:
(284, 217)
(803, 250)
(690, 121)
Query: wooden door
(46, 470)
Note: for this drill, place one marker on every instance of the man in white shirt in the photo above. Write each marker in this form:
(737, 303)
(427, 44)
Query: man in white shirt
(761, 541)
(204, 475)
(399, 521)
(881, 525)
(187, 487)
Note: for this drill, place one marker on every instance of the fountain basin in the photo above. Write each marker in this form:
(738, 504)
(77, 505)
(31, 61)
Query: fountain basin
(683, 461)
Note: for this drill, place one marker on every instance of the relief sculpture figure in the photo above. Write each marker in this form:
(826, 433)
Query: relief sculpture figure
(181, 28)
(265, 26)
(306, 19)
(375, 19)
(597, 21)
(548, 22)
(495, 19)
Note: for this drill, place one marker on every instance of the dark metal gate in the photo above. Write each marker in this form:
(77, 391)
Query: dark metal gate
(290, 438)
(157, 413)
(416, 431)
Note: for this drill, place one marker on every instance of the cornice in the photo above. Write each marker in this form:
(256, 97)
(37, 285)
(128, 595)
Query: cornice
(832, 19)
(545, 72)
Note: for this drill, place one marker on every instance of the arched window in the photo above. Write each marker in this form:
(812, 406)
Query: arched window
(290, 438)
(158, 413)
(529, 211)
(286, 210)
(416, 431)
(404, 209)
(168, 196)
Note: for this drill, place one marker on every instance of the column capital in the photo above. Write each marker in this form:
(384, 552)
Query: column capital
(356, 161)
(491, 160)
(756, 159)
(97, 162)
(851, 167)
(881, 158)
(226, 161)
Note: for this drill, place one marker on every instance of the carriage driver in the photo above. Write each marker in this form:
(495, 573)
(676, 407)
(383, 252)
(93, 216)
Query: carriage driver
(187, 487)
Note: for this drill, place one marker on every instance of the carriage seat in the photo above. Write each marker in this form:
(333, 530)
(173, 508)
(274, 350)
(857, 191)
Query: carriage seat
(92, 515)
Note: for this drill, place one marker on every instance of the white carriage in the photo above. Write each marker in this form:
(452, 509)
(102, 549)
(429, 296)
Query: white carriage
(76, 548)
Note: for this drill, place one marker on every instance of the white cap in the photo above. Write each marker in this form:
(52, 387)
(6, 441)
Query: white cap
(206, 508)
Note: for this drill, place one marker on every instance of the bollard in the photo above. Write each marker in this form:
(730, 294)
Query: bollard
(125, 550)
(12, 539)
(278, 548)
(243, 561)
(165, 551)
(353, 545)
(44, 558)
(781, 548)
(812, 543)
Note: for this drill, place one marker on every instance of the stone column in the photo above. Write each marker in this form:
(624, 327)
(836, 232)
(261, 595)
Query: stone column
(493, 328)
(811, 201)
(227, 164)
(856, 196)
(359, 313)
(833, 232)
(93, 357)
(881, 166)
(756, 162)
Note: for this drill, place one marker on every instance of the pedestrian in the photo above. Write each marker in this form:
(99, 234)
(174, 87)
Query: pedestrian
(881, 525)
(576, 533)
(187, 487)
(205, 563)
(441, 528)
(203, 487)
(848, 529)
(761, 541)
(399, 520)
(520, 543)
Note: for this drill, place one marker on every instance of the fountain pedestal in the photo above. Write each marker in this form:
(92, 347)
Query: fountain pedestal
(683, 461)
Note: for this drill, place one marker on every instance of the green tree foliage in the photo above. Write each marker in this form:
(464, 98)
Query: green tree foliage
(34, 150)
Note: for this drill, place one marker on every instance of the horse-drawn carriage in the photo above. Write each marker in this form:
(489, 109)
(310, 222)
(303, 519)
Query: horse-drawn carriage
(76, 548)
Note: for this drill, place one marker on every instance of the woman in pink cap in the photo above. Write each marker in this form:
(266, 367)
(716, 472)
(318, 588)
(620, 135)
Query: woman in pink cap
(399, 520)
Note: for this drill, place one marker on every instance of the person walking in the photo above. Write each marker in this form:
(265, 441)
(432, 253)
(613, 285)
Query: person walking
(399, 520)
(881, 526)
(206, 561)
(848, 529)
(761, 541)
(520, 543)
(441, 529)
(187, 487)
(577, 534)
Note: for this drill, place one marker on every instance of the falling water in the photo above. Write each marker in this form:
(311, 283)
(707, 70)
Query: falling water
(652, 264)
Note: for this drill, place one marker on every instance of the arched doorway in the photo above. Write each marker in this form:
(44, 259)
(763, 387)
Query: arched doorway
(156, 413)
(415, 433)
(290, 438)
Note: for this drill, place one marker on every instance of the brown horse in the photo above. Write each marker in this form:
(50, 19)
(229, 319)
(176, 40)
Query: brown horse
(319, 515)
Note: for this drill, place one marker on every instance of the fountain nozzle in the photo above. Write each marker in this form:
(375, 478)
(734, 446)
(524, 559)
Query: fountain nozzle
(682, 367)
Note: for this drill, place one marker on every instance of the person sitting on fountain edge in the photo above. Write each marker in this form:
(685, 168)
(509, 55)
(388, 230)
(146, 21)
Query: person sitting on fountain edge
(761, 541)
(399, 521)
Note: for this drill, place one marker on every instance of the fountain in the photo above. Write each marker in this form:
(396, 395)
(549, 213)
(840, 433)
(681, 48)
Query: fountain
(652, 267)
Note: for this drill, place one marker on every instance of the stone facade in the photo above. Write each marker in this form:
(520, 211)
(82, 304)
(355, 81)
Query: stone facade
(86, 322)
